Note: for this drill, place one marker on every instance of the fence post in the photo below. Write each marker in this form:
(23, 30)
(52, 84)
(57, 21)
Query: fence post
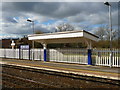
(89, 57)
(29, 52)
(4, 53)
(111, 58)
(19, 52)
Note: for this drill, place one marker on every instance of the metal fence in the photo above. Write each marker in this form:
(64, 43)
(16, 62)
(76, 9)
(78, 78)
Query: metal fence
(22, 54)
(68, 55)
(102, 57)
(99, 56)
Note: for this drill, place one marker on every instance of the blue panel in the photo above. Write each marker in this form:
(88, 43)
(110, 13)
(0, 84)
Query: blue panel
(89, 57)
(45, 55)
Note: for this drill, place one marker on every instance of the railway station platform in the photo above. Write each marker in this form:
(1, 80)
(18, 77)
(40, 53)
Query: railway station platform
(78, 69)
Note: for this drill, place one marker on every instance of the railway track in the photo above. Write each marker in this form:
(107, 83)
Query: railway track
(18, 82)
(19, 77)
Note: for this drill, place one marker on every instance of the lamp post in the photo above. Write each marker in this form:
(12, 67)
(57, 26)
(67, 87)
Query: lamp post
(33, 40)
(110, 27)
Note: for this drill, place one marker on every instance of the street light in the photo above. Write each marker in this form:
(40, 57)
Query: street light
(110, 27)
(33, 40)
(32, 24)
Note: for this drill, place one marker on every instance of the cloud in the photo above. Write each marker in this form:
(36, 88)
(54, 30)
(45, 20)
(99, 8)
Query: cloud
(79, 14)
(3, 36)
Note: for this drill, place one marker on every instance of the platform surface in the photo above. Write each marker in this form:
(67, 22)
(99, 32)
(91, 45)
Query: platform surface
(86, 70)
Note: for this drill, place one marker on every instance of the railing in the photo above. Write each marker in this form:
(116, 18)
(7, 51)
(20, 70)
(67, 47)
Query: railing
(68, 55)
(22, 54)
(57, 55)
(99, 56)
(102, 57)
(38, 54)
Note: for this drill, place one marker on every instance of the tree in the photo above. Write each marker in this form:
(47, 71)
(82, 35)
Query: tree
(23, 41)
(64, 27)
(103, 33)
(38, 32)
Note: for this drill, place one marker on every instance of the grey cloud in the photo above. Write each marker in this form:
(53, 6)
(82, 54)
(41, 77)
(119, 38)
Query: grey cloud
(74, 12)
(56, 9)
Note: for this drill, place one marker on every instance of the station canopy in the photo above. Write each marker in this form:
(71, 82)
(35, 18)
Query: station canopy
(64, 37)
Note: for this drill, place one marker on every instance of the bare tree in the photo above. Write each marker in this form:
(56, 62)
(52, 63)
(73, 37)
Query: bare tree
(64, 27)
(101, 33)
(104, 33)
(115, 34)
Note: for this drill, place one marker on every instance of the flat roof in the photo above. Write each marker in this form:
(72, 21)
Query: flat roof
(64, 37)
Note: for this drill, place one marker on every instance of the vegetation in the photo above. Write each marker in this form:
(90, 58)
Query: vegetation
(103, 33)
(64, 27)
(38, 32)
(106, 44)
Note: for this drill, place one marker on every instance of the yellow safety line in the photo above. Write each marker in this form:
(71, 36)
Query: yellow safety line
(65, 68)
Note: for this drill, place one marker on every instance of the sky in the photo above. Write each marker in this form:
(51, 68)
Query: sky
(87, 16)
